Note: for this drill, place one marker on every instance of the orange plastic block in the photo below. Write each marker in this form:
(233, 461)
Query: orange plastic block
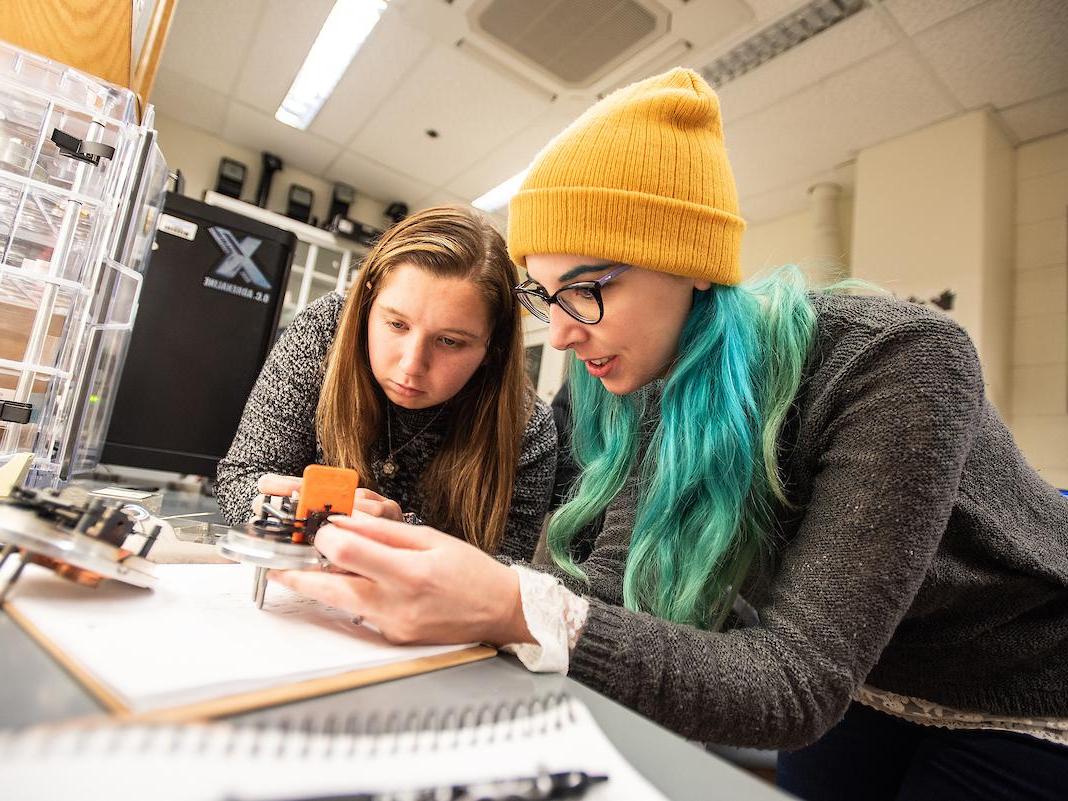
(323, 486)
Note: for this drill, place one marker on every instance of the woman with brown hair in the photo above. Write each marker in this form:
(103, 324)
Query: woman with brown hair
(416, 380)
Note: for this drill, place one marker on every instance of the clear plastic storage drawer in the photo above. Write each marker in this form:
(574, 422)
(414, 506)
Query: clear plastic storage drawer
(81, 186)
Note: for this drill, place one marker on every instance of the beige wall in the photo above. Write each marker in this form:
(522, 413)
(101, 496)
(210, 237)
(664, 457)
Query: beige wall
(197, 153)
(1040, 352)
(792, 240)
(957, 206)
(933, 212)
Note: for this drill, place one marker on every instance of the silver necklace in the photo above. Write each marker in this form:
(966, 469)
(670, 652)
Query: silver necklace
(389, 467)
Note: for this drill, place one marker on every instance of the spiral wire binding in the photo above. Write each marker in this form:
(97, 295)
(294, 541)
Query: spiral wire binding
(327, 737)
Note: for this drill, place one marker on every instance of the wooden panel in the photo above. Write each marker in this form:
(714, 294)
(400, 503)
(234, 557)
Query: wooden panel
(16, 322)
(90, 35)
(144, 71)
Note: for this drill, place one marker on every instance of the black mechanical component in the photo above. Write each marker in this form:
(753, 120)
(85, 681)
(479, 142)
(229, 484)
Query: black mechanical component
(97, 518)
(299, 202)
(280, 522)
(354, 230)
(396, 211)
(75, 148)
(342, 198)
(276, 540)
(82, 542)
(231, 178)
(14, 412)
(282, 536)
(271, 165)
(179, 181)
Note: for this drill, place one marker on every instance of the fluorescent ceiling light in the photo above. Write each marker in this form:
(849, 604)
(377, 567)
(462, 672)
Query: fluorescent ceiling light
(790, 31)
(498, 197)
(349, 23)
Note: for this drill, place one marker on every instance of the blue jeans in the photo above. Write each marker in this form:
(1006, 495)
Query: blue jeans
(873, 756)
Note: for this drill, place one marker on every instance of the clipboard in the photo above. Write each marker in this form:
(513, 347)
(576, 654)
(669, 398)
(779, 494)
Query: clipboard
(52, 633)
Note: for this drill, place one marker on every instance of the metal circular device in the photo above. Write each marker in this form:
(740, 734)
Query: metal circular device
(55, 544)
(275, 554)
(268, 544)
(282, 535)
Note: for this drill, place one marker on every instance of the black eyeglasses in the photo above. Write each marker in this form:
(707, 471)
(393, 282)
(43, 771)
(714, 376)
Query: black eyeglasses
(582, 300)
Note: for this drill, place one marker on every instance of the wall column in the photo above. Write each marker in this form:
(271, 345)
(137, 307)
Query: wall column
(828, 251)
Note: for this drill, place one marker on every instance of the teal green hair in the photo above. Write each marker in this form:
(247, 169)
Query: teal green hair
(710, 483)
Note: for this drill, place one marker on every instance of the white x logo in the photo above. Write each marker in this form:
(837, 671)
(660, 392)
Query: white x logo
(238, 259)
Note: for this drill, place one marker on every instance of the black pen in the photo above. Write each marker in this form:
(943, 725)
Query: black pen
(544, 786)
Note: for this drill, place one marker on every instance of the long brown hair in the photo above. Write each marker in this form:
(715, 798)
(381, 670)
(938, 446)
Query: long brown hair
(468, 486)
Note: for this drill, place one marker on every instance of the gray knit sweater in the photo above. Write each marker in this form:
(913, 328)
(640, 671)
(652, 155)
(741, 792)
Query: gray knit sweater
(928, 558)
(277, 435)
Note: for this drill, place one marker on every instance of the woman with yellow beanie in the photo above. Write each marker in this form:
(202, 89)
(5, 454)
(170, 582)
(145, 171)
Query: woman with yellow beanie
(831, 459)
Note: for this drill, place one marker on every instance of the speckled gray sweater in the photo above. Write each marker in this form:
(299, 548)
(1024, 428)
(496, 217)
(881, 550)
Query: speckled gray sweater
(928, 559)
(277, 435)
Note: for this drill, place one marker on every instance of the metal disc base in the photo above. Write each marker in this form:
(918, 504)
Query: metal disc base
(266, 553)
(22, 529)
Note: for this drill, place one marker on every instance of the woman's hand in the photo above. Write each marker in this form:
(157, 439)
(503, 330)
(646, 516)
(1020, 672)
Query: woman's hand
(365, 500)
(278, 486)
(370, 502)
(413, 583)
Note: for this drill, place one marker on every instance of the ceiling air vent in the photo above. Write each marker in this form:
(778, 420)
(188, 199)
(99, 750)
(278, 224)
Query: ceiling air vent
(574, 42)
(787, 33)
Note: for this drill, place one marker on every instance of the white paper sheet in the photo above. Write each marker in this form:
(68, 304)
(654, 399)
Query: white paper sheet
(211, 763)
(198, 635)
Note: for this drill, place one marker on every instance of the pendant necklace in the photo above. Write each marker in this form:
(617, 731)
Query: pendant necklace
(389, 466)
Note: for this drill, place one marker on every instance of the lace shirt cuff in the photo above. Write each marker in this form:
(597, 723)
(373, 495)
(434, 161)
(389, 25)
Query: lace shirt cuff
(555, 617)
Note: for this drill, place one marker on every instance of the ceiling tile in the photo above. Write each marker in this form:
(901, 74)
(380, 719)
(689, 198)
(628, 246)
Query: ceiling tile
(439, 198)
(188, 101)
(917, 15)
(227, 66)
(254, 129)
(382, 63)
(473, 108)
(282, 42)
(768, 10)
(827, 123)
(847, 43)
(518, 151)
(371, 178)
(208, 40)
(1037, 118)
(1002, 53)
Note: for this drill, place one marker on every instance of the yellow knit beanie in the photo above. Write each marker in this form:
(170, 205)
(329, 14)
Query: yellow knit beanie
(642, 178)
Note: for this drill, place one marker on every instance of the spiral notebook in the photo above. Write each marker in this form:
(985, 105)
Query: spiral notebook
(196, 646)
(446, 748)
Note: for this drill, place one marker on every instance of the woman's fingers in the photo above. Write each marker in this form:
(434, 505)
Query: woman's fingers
(364, 494)
(352, 594)
(271, 484)
(388, 532)
(363, 555)
(383, 508)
